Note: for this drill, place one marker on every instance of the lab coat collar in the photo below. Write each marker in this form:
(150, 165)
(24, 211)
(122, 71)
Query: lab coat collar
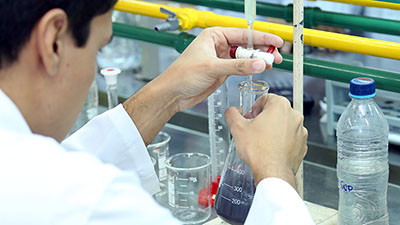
(11, 118)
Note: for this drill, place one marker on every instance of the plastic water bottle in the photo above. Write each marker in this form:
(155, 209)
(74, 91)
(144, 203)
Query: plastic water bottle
(362, 164)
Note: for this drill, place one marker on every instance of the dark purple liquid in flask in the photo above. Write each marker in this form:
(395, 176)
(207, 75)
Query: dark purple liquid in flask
(234, 197)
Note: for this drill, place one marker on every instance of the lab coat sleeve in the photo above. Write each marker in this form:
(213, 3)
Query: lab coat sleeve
(114, 139)
(126, 203)
(277, 203)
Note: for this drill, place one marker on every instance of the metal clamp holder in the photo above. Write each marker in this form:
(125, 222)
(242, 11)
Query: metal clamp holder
(171, 24)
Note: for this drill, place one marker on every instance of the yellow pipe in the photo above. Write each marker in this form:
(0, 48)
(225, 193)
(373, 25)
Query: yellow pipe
(190, 18)
(370, 3)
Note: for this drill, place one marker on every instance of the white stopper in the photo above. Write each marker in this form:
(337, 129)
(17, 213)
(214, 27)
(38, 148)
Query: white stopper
(267, 57)
(111, 75)
(243, 53)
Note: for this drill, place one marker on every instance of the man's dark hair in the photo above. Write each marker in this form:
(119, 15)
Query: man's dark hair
(18, 18)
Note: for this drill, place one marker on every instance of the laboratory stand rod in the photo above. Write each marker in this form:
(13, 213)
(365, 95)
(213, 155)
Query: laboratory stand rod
(298, 60)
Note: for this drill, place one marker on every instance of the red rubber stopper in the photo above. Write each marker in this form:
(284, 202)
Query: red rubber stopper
(233, 52)
(203, 197)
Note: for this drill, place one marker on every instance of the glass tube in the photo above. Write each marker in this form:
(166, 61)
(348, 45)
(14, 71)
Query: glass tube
(250, 14)
(92, 102)
(112, 95)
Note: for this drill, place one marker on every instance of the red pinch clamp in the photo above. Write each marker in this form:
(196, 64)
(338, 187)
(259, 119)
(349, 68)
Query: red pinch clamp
(232, 52)
(271, 49)
(238, 52)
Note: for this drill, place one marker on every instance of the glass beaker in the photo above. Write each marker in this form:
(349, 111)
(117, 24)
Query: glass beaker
(159, 150)
(188, 175)
(236, 189)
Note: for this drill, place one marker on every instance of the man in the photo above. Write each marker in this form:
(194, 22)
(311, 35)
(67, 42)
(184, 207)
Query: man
(99, 175)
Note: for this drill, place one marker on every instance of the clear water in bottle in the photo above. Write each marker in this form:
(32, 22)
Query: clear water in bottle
(362, 167)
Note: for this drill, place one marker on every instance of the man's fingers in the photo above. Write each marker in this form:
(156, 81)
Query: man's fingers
(234, 118)
(239, 36)
(278, 57)
(258, 106)
(240, 66)
(278, 100)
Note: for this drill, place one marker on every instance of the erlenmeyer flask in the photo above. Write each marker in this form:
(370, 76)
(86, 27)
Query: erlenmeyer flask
(237, 188)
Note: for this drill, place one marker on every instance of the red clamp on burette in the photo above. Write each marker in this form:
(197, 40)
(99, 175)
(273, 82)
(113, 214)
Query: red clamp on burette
(271, 49)
(204, 196)
(238, 52)
(232, 52)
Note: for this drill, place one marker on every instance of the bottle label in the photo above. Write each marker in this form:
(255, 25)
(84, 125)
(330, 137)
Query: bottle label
(345, 187)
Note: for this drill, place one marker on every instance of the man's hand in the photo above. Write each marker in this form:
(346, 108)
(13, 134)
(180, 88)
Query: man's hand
(196, 74)
(206, 63)
(274, 143)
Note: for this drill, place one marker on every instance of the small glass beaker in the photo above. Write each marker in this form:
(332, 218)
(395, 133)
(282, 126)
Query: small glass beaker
(159, 150)
(189, 186)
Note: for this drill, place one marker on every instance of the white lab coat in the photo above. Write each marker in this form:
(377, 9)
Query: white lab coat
(102, 174)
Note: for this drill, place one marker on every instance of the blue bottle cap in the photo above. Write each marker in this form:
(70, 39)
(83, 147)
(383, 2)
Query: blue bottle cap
(362, 87)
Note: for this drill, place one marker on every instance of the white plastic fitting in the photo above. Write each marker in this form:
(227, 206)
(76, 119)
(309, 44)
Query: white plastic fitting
(243, 53)
(111, 75)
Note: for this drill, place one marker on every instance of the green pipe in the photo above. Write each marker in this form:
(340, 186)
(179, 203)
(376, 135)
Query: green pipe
(313, 16)
(343, 73)
(178, 41)
(312, 67)
(360, 23)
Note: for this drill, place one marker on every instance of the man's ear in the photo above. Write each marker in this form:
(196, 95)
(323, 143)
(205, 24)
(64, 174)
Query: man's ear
(51, 30)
